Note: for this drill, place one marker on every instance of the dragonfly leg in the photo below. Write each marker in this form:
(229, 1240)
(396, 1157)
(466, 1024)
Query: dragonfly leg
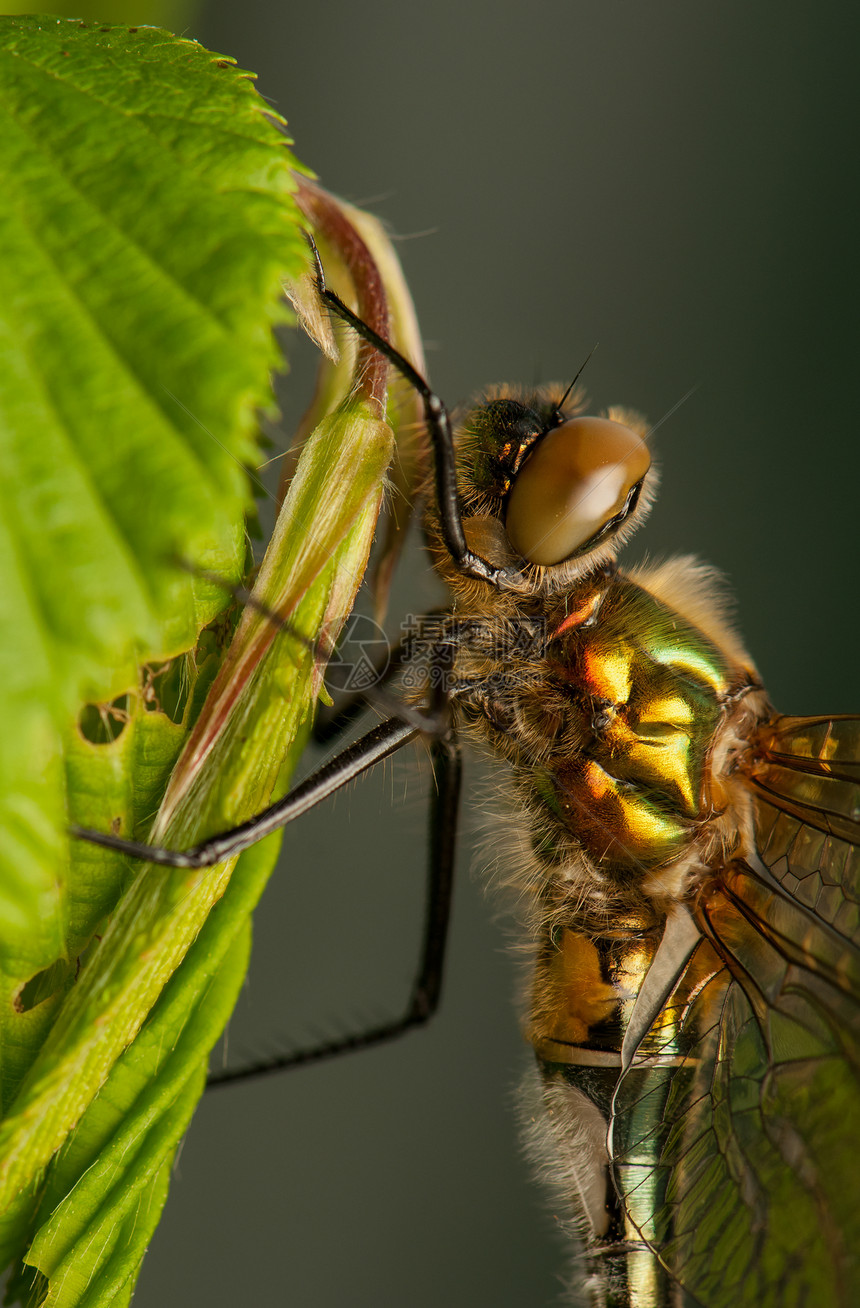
(371, 748)
(439, 429)
(442, 844)
(427, 986)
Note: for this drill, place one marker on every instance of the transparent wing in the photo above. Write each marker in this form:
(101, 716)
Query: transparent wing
(740, 1169)
(805, 781)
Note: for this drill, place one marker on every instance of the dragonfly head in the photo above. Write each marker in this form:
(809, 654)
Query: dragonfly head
(562, 489)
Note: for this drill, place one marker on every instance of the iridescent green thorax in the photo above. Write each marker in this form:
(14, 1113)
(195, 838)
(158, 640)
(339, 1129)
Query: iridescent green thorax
(649, 688)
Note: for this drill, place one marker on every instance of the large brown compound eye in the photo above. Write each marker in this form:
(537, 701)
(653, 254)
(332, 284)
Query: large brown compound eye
(575, 481)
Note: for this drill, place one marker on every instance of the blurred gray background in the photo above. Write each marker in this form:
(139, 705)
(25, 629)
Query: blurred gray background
(676, 182)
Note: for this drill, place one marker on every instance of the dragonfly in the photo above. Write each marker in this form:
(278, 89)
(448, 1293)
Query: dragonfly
(685, 857)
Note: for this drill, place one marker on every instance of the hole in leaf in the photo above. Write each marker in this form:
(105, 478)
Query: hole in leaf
(43, 985)
(101, 724)
(166, 687)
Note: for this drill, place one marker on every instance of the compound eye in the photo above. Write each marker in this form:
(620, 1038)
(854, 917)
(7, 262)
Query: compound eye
(575, 481)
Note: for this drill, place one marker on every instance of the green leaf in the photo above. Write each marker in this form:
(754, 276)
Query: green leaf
(146, 223)
(178, 15)
(132, 1129)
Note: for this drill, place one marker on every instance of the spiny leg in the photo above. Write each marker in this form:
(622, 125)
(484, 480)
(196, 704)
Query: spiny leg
(427, 986)
(442, 845)
(439, 429)
(371, 748)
